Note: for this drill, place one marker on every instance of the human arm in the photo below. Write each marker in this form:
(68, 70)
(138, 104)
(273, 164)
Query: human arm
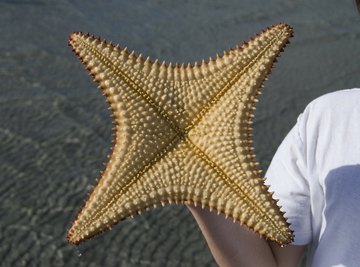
(232, 244)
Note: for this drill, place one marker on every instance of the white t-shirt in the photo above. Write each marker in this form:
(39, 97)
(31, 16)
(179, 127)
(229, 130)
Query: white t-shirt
(316, 175)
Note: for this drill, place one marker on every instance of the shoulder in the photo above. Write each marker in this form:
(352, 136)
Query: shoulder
(335, 99)
(335, 104)
(325, 111)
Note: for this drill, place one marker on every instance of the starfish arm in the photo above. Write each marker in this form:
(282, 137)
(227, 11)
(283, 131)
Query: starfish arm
(244, 68)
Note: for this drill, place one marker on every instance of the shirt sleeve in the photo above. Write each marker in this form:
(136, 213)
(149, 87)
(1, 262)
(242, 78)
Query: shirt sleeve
(286, 176)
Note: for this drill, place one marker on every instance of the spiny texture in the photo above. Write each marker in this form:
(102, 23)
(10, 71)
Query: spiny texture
(183, 134)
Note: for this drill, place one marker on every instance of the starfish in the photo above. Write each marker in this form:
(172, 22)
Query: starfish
(182, 134)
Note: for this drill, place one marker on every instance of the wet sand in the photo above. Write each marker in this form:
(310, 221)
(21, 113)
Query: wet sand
(55, 129)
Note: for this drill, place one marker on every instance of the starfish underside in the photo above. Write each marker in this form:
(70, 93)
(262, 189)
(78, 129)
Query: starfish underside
(183, 134)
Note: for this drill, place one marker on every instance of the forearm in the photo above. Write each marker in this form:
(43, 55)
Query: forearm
(230, 243)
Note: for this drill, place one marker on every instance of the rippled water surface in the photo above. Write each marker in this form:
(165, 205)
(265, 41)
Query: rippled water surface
(55, 129)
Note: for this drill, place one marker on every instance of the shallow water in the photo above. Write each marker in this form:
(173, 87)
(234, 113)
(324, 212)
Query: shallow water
(55, 128)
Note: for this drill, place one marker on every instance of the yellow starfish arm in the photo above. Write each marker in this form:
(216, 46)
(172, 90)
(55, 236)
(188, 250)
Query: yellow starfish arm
(182, 134)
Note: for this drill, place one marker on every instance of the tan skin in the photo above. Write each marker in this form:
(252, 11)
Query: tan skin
(234, 245)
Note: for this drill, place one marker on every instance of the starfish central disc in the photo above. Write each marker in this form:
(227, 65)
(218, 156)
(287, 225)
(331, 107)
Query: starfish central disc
(182, 134)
